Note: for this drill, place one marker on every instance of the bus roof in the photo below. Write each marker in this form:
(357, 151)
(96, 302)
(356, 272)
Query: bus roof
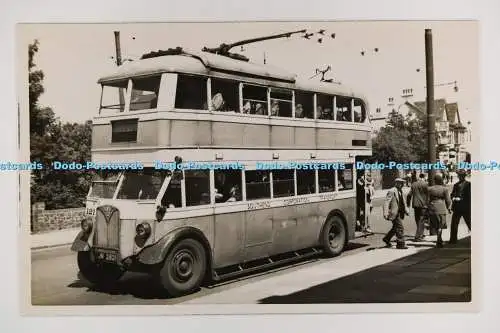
(204, 63)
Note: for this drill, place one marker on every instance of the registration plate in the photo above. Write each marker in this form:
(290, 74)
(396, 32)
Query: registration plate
(108, 256)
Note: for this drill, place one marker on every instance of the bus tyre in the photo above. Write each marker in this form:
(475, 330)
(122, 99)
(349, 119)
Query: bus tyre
(184, 268)
(333, 237)
(96, 274)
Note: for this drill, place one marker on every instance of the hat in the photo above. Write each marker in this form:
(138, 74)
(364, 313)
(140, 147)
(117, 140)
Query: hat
(461, 172)
(400, 180)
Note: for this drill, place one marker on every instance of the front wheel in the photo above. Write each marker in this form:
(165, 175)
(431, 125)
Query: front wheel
(184, 268)
(101, 275)
(333, 237)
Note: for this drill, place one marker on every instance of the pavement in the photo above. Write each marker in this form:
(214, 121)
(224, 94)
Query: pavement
(422, 273)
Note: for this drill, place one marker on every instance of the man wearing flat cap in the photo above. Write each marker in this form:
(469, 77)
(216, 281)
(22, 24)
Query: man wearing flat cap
(395, 210)
(461, 204)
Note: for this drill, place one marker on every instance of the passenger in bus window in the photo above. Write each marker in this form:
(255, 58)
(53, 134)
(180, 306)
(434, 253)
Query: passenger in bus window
(218, 103)
(275, 109)
(299, 111)
(247, 108)
(234, 194)
(260, 109)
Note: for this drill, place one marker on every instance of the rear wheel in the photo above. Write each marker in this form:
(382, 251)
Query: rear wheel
(184, 268)
(101, 275)
(333, 237)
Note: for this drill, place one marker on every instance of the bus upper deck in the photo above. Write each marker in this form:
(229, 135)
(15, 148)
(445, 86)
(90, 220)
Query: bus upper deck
(201, 100)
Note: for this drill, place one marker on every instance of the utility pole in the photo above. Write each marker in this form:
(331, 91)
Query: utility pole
(119, 63)
(431, 119)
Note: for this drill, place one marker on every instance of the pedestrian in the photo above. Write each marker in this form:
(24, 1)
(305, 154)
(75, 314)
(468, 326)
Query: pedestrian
(439, 206)
(461, 206)
(418, 197)
(360, 203)
(394, 210)
(369, 193)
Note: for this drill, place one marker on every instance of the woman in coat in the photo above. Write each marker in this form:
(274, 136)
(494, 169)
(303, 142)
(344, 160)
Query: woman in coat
(439, 206)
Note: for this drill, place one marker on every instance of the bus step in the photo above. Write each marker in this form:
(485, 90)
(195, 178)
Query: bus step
(262, 264)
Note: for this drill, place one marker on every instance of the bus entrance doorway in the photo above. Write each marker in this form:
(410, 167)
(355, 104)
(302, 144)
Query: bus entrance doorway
(364, 197)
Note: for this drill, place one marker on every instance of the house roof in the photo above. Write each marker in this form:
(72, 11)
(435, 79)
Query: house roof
(439, 108)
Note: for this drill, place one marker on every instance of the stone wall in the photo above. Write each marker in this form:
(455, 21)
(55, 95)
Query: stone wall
(48, 220)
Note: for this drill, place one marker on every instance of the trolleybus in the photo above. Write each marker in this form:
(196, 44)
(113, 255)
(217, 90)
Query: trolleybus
(263, 170)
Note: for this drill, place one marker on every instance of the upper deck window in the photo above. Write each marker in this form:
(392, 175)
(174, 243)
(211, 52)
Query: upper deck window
(224, 95)
(113, 95)
(359, 111)
(281, 102)
(254, 100)
(304, 105)
(343, 106)
(145, 93)
(324, 107)
(191, 93)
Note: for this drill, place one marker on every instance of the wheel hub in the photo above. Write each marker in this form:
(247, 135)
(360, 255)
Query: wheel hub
(183, 265)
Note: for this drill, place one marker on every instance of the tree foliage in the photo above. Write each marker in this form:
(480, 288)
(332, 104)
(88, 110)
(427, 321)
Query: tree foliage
(51, 140)
(402, 139)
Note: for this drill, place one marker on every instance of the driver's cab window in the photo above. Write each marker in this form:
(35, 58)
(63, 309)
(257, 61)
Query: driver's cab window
(141, 184)
(173, 195)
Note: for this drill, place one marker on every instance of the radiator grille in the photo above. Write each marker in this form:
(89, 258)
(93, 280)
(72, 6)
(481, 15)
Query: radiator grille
(107, 228)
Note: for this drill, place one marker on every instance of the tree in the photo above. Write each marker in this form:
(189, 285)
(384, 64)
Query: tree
(50, 141)
(403, 140)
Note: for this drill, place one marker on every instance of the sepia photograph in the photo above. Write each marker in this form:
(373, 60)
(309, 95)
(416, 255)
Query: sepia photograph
(329, 165)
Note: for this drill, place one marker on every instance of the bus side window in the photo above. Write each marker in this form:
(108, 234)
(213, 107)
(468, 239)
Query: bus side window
(197, 187)
(281, 102)
(304, 105)
(145, 93)
(359, 111)
(343, 109)
(283, 183)
(306, 182)
(345, 181)
(258, 184)
(324, 107)
(326, 181)
(225, 95)
(227, 185)
(172, 197)
(254, 100)
(191, 93)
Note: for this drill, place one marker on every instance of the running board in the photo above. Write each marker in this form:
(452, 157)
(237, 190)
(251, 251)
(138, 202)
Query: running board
(263, 263)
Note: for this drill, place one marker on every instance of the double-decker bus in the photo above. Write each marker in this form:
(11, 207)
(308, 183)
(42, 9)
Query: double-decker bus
(209, 192)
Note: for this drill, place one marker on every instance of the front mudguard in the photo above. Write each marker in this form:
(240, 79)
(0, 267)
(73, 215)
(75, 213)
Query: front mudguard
(81, 242)
(156, 253)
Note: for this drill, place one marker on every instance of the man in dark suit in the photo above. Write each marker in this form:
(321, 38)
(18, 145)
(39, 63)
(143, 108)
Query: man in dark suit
(394, 210)
(418, 196)
(461, 204)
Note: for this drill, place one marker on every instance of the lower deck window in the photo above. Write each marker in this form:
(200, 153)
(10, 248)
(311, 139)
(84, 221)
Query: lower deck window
(306, 182)
(326, 181)
(283, 183)
(197, 187)
(258, 185)
(345, 178)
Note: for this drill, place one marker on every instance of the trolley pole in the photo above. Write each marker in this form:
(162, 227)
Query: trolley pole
(118, 49)
(119, 63)
(431, 119)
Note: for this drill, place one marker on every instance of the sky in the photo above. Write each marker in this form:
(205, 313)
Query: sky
(74, 56)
